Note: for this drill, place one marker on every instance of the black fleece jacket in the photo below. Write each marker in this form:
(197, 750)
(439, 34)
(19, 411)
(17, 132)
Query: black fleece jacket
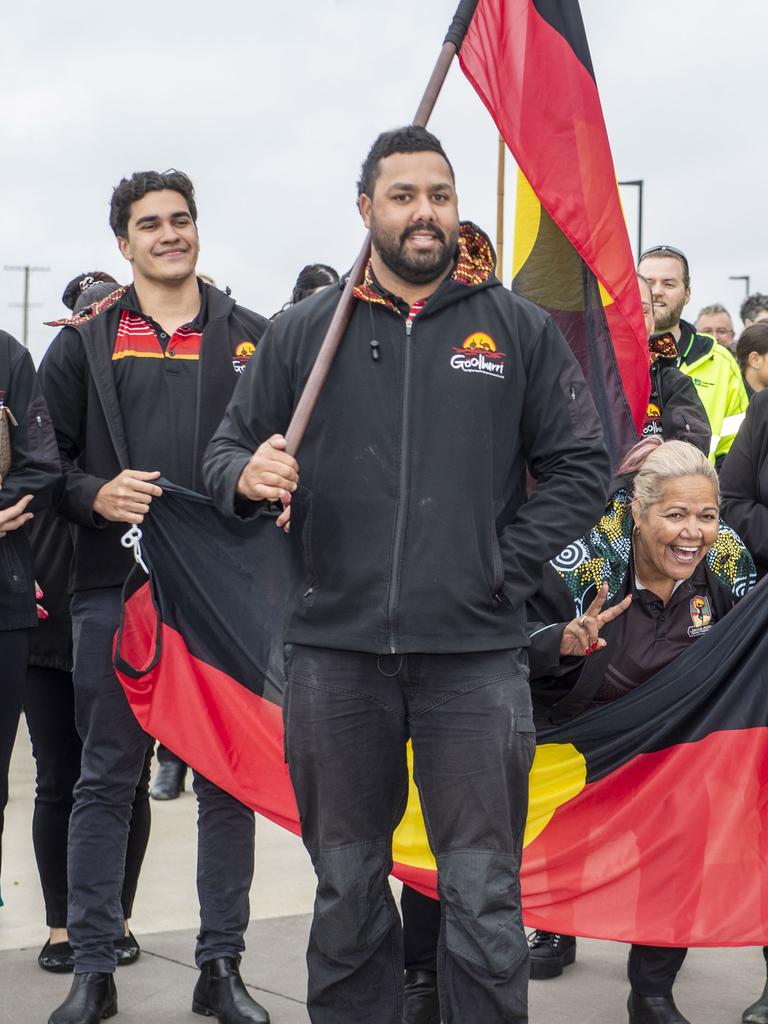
(34, 470)
(79, 385)
(412, 517)
(744, 482)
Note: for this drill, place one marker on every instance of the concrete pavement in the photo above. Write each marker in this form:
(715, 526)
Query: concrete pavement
(714, 986)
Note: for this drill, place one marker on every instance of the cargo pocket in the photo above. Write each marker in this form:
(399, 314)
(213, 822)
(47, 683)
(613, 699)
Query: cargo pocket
(581, 410)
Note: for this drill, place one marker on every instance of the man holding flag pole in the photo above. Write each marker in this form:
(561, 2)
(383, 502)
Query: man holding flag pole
(407, 507)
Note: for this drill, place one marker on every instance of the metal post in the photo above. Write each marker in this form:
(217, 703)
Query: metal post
(27, 270)
(741, 277)
(500, 209)
(638, 184)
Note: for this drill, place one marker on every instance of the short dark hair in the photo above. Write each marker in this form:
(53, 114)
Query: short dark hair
(129, 190)
(753, 305)
(410, 139)
(82, 283)
(311, 277)
(753, 339)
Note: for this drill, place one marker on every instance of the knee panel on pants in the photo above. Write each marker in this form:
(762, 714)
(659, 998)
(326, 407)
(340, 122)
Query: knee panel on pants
(480, 892)
(351, 907)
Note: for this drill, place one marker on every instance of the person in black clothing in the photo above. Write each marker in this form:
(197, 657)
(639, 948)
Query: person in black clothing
(664, 594)
(752, 357)
(117, 379)
(50, 713)
(29, 464)
(419, 549)
(744, 484)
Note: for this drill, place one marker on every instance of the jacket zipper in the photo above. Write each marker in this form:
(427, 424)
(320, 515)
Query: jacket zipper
(402, 498)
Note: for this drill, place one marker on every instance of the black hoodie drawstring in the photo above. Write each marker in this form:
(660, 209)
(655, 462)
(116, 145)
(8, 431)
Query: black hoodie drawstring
(375, 353)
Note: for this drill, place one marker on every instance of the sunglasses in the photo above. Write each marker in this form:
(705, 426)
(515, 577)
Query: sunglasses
(662, 249)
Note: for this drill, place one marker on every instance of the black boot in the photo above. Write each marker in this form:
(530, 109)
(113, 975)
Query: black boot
(757, 1013)
(550, 953)
(422, 1005)
(169, 781)
(91, 999)
(220, 992)
(654, 1010)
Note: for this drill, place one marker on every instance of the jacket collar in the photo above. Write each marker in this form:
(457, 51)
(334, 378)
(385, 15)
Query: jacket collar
(692, 346)
(475, 265)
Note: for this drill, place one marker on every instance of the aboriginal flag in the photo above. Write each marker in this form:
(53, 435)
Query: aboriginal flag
(647, 817)
(529, 61)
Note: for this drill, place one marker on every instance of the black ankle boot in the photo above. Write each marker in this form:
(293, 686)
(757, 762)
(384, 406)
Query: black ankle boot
(422, 1005)
(654, 1010)
(169, 781)
(91, 999)
(220, 992)
(757, 1013)
(550, 953)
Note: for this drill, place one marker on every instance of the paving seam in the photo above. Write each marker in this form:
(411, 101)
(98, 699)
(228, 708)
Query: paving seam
(193, 967)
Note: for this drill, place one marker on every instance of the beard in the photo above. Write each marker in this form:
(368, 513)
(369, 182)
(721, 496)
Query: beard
(667, 317)
(415, 267)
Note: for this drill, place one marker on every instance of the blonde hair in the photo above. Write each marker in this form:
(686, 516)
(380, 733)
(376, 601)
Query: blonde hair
(669, 461)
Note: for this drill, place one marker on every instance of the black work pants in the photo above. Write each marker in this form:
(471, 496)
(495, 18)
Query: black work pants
(115, 750)
(49, 706)
(421, 930)
(348, 716)
(14, 654)
(652, 969)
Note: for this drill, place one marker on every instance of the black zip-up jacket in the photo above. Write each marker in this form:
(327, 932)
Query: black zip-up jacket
(77, 378)
(34, 470)
(682, 414)
(412, 516)
(744, 482)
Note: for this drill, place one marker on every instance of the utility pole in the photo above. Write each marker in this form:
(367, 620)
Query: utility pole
(741, 277)
(638, 183)
(27, 270)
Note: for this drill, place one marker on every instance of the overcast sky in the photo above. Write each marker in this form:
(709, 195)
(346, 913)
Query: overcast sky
(270, 107)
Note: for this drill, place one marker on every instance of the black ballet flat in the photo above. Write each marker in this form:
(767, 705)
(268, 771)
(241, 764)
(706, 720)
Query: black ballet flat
(127, 950)
(57, 957)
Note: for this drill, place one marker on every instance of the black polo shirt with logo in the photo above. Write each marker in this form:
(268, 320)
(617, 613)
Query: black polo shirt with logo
(156, 379)
(649, 635)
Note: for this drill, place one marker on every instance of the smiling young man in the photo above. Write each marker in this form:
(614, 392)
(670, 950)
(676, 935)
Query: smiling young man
(419, 549)
(136, 387)
(711, 367)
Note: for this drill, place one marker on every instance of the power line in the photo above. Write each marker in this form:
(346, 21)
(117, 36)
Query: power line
(27, 270)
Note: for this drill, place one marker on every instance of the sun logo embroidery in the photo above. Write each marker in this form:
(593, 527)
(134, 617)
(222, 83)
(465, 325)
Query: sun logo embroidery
(701, 615)
(478, 354)
(243, 352)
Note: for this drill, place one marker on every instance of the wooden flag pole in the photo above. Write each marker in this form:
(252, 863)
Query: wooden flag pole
(341, 317)
(500, 210)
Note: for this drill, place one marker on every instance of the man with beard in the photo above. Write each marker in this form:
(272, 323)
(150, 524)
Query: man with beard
(710, 366)
(136, 386)
(419, 549)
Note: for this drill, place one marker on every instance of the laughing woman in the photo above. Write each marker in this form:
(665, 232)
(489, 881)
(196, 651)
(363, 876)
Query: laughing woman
(662, 555)
(29, 470)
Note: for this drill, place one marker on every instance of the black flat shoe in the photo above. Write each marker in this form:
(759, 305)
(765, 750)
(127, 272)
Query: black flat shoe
(127, 950)
(91, 999)
(169, 781)
(220, 992)
(654, 1010)
(757, 1013)
(550, 953)
(422, 1004)
(57, 957)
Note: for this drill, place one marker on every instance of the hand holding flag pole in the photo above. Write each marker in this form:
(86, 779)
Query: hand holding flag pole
(341, 318)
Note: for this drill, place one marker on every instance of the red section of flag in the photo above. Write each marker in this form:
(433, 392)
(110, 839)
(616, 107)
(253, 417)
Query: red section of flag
(546, 106)
(226, 732)
(642, 855)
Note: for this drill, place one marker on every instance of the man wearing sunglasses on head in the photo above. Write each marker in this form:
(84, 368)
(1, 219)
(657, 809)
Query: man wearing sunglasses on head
(710, 366)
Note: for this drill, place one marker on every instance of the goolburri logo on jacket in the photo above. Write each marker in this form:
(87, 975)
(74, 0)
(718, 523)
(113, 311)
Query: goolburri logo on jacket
(243, 353)
(478, 354)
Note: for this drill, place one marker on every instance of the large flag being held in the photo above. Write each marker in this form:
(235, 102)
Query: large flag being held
(647, 817)
(529, 61)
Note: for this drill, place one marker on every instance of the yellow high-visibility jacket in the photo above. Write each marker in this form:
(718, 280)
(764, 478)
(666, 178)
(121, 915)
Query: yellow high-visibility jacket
(718, 381)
